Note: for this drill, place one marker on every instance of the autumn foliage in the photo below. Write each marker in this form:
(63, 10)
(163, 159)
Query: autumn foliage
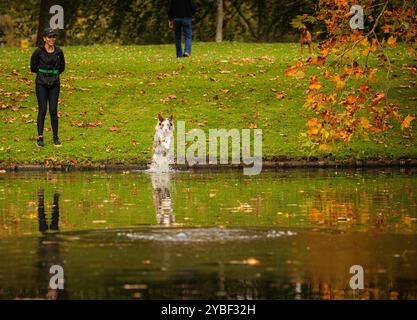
(345, 98)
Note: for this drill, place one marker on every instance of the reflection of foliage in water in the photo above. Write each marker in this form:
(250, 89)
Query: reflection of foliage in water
(302, 199)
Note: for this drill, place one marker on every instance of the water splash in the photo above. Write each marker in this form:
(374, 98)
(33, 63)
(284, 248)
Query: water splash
(160, 163)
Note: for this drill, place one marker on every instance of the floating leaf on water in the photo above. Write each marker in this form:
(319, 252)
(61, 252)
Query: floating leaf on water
(252, 262)
(212, 194)
(49, 242)
(135, 287)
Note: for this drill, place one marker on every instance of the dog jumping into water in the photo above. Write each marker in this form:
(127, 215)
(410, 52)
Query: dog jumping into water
(162, 143)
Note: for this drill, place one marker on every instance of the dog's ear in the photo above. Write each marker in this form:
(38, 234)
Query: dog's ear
(170, 118)
(160, 117)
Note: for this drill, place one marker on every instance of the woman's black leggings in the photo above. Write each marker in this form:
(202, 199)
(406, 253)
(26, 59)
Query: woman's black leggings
(45, 94)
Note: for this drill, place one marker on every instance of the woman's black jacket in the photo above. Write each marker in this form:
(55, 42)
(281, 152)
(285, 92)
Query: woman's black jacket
(48, 66)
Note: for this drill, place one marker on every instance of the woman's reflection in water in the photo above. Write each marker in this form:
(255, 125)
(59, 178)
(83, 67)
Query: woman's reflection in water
(48, 250)
(161, 184)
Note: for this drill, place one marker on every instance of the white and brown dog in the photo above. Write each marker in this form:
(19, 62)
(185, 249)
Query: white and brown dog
(162, 143)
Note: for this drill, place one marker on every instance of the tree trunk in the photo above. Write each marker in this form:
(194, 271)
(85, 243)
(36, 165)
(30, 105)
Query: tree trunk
(250, 25)
(45, 18)
(261, 19)
(220, 17)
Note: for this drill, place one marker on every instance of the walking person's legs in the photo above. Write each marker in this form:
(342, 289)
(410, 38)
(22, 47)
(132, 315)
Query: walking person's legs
(188, 34)
(53, 96)
(178, 36)
(42, 96)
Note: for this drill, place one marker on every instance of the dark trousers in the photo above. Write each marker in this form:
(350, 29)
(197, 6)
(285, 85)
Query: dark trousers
(43, 224)
(47, 94)
(182, 25)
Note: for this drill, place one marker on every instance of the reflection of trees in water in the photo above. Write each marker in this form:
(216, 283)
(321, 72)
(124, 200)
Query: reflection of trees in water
(228, 286)
(196, 285)
(326, 290)
(48, 248)
(161, 184)
(377, 287)
(371, 208)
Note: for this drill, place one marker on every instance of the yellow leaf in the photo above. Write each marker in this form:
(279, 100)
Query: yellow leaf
(365, 42)
(299, 74)
(406, 122)
(340, 84)
(364, 123)
(325, 134)
(24, 44)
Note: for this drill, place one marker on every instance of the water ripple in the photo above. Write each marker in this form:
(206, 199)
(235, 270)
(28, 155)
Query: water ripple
(205, 235)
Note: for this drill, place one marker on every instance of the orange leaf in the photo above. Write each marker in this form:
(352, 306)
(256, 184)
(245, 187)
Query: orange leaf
(392, 41)
(351, 99)
(325, 51)
(280, 96)
(312, 122)
(293, 70)
(378, 97)
(313, 125)
(168, 99)
(114, 129)
(319, 61)
(324, 147)
(364, 88)
(386, 28)
(314, 84)
(374, 46)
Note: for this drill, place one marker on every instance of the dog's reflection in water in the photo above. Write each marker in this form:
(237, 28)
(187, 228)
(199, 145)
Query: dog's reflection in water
(161, 184)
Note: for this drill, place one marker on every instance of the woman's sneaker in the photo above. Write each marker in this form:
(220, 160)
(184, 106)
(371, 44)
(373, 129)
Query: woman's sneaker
(57, 143)
(39, 142)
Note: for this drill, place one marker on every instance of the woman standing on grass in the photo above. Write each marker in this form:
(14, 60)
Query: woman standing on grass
(48, 63)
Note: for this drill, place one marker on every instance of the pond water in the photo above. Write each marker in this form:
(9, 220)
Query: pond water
(290, 234)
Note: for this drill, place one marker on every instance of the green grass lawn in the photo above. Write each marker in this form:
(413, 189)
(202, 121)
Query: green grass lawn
(229, 85)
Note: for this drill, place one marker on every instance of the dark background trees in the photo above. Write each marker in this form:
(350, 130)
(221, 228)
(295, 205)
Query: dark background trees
(145, 21)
